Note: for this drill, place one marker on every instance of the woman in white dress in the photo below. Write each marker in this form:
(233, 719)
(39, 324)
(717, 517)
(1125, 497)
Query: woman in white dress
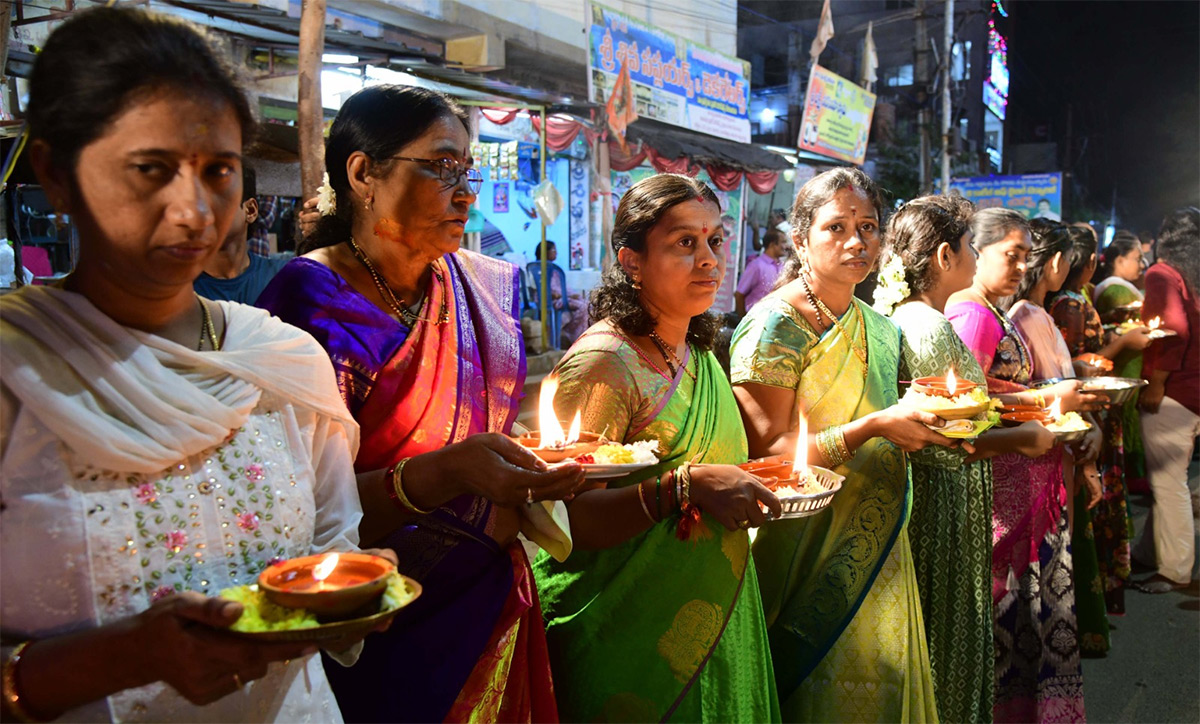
(155, 447)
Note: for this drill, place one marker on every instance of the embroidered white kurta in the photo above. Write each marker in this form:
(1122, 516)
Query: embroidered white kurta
(84, 541)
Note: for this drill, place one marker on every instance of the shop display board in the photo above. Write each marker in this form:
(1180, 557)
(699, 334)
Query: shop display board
(675, 80)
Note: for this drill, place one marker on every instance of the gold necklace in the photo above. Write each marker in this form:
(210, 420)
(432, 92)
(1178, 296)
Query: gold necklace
(389, 297)
(669, 354)
(819, 306)
(207, 329)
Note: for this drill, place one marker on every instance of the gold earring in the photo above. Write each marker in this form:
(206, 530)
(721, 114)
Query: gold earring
(369, 204)
(637, 284)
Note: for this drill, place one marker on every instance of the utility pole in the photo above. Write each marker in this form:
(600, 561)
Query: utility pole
(310, 113)
(947, 108)
(795, 67)
(921, 71)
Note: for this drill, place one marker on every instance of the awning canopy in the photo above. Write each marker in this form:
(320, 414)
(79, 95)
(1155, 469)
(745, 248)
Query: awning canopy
(674, 142)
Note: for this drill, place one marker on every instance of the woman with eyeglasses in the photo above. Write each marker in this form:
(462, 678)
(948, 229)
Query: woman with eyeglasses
(427, 347)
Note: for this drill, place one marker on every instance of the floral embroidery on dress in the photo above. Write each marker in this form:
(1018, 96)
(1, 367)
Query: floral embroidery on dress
(147, 493)
(214, 520)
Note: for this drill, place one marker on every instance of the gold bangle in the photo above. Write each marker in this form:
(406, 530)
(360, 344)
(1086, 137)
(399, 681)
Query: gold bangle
(398, 488)
(645, 508)
(840, 438)
(1039, 399)
(12, 697)
(831, 442)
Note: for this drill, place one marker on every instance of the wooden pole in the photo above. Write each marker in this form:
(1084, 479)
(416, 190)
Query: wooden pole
(545, 285)
(310, 115)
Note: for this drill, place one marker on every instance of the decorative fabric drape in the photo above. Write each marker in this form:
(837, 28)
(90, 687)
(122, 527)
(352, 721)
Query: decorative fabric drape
(562, 130)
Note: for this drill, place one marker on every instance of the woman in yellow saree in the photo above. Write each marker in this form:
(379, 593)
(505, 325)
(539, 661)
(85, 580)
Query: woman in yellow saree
(656, 614)
(846, 631)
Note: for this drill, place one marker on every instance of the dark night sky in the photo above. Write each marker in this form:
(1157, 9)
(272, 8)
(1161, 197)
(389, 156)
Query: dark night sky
(1131, 72)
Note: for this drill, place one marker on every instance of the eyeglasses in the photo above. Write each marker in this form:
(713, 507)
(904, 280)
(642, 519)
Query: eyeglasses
(450, 171)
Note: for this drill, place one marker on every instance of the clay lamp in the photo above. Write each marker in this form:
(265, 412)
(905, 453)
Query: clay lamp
(549, 442)
(949, 385)
(331, 585)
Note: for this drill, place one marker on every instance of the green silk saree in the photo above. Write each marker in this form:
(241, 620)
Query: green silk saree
(657, 629)
(847, 639)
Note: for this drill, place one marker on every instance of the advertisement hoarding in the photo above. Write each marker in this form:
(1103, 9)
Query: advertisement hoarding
(837, 117)
(674, 80)
(1037, 196)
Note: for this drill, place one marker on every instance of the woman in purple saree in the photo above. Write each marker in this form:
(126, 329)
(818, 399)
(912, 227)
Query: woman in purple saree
(430, 383)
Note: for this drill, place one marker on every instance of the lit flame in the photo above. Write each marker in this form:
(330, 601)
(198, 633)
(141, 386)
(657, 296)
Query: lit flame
(573, 435)
(322, 570)
(1154, 323)
(801, 460)
(951, 382)
(551, 429)
(1055, 410)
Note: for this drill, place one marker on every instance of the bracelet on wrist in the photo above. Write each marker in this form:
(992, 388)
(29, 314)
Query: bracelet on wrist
(645, 507)
(12, 695)
(831, 443)
(393, 481)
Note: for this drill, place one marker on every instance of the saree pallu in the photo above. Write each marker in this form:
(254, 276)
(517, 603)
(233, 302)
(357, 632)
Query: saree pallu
(472, 648)
(657, 629)
(847, 636)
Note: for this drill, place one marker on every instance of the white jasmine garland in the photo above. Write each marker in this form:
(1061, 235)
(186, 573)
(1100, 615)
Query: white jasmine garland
(891, 288)
(326, 198)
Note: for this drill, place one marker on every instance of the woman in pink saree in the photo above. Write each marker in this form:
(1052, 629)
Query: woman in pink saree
(1038, 675)
(429, 358)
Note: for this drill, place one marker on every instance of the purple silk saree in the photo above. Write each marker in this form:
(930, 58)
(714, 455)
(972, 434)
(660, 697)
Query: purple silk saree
(473, 645)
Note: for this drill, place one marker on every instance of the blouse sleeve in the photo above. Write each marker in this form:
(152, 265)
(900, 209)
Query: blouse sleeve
(598, 384)
(769, 348)
(1068, 316)
(978, 329)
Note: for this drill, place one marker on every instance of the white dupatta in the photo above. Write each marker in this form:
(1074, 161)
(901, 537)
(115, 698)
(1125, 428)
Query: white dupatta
(131, 401)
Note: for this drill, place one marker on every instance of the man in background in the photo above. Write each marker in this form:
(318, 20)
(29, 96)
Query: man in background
(760, 274)
(234, 274)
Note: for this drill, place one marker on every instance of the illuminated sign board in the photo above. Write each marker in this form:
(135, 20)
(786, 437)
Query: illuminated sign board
(995, 85)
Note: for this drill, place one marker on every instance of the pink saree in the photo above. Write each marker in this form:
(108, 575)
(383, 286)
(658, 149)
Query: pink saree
(473, 647)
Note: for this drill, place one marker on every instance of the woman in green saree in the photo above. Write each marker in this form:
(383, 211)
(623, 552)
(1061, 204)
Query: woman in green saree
(1118, 298)
(656, 616)
(840, 590)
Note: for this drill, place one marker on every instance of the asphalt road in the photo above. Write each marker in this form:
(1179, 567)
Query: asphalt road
(1152, 672)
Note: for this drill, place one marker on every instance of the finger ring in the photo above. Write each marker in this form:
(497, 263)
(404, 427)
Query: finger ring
(744, 524)
(237, 680)
(529, 496)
